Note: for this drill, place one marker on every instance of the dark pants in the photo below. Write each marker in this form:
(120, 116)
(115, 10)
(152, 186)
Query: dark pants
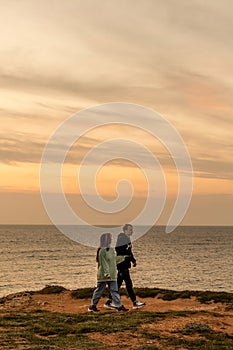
(124, 275)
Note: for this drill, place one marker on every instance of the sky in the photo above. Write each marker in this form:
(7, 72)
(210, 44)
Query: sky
(58, 58)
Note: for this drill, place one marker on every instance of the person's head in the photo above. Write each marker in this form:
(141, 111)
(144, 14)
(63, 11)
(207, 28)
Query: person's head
(128, 229)
(105, 240)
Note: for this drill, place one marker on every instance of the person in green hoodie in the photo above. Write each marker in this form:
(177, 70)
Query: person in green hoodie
(107, 274)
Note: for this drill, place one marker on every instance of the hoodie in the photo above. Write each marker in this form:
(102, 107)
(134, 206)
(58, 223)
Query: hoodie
(107, 260)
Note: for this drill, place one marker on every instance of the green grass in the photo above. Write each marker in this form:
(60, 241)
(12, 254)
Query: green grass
(165, 294)
(52, 290)
(44, 330)
(40, 330)
(202, 296)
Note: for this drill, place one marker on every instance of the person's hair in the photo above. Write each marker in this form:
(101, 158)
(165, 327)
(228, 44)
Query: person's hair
(105, 241)
(126, 226)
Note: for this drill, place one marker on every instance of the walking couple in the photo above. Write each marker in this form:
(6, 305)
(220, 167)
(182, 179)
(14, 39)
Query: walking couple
(113, 269)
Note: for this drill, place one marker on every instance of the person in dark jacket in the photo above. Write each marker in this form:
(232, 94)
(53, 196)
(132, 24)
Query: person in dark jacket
(124, 249)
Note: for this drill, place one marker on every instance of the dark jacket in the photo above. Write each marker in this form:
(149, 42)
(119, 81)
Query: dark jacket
(124, 248)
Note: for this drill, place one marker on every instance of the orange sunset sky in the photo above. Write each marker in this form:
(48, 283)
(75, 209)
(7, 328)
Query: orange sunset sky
(59, 57)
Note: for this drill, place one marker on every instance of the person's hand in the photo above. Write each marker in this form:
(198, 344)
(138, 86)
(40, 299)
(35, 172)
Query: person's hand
(134, 264)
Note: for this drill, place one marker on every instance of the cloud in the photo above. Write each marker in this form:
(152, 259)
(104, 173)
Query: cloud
(213, 169)
(28, 148)
(174, 56)
(20, 149)
(87, 50)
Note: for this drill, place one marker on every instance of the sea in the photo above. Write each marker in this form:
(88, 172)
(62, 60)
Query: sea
(189, 258)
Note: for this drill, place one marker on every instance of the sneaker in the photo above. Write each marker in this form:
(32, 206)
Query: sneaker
(93, 308)
(138, 304)
(110, 305)
(122, 308)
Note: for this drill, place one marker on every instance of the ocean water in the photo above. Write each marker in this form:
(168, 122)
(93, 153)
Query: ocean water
(193, 258)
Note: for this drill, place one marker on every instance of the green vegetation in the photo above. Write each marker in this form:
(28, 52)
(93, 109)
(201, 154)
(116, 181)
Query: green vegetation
(82, 293)
(40, 330)
(202, 296)
(52, 290)
(191, 328)
(44, 330)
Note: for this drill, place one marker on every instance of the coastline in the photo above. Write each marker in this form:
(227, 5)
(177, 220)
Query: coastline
(170, 320)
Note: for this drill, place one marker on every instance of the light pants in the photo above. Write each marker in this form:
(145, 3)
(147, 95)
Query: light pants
(112, 285)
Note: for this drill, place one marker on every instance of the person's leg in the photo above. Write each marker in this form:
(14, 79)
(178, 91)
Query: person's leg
(120, 279)
(114, 293)
(119, 283)
(98, 293)
(128, 284)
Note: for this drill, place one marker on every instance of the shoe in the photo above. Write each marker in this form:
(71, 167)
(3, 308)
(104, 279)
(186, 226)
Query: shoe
(122, 308)
(93, 308)
(110, 305)
(138, 304)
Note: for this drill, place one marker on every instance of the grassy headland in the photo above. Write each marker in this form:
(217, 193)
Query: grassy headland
(170, 320)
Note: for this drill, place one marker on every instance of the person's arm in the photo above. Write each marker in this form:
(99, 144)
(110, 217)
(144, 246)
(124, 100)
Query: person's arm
(120, 259)
(104, 263)
(132, 258)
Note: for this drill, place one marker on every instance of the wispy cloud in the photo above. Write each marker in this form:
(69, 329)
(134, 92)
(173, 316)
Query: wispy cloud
(20, 149)
(94, 54)
(28, 148)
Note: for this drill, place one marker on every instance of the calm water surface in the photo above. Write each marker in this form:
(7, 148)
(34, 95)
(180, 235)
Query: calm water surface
(194, 258)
